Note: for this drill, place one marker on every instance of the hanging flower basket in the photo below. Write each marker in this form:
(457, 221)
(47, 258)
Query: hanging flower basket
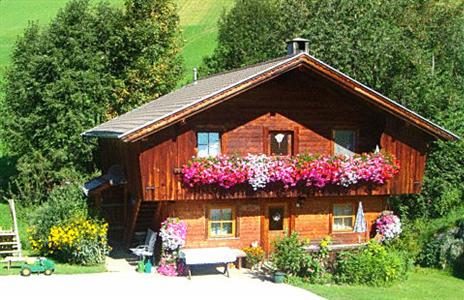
(313, 171)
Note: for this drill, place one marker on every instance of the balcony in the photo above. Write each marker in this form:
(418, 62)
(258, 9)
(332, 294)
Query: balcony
(288, 175)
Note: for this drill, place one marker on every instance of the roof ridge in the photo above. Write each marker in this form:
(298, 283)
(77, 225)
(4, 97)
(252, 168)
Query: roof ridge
(243, 68)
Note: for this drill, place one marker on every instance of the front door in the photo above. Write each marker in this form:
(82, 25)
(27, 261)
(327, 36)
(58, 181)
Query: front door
(276, 224)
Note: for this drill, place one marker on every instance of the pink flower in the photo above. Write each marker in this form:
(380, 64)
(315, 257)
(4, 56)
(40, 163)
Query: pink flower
(312, 171)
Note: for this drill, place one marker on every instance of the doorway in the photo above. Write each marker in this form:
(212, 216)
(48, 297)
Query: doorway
(276, 223)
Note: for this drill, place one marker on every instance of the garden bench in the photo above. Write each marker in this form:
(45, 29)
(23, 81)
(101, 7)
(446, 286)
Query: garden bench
(208, 256)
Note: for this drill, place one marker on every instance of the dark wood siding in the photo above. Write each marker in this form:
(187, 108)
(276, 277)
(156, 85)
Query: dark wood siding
(296, 101)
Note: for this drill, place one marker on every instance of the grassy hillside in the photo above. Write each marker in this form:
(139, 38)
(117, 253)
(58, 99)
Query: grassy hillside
(198, 20)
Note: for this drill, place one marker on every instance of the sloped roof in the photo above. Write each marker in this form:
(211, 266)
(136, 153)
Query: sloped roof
(197, 96)
(181, 98)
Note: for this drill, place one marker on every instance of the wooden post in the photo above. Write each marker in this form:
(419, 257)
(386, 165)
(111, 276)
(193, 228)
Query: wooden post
(15, 226)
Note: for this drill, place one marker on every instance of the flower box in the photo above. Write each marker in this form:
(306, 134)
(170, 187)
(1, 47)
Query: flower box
(311, 171)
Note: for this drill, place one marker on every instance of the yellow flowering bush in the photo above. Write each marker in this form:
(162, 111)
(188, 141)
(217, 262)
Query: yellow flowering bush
(254, 255)
(81, 241)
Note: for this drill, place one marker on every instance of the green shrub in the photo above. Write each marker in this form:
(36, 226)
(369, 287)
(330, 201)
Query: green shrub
(64, 203)
(374, 265)
(289, 255)
(444, 249)
(63, 228)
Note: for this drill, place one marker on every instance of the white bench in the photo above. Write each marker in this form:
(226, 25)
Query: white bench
(208, 256)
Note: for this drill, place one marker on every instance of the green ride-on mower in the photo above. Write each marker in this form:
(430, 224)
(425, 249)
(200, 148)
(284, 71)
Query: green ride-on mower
(41, 265)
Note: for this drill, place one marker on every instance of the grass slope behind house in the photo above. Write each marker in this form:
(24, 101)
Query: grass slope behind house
(198, 20)
(421, 284)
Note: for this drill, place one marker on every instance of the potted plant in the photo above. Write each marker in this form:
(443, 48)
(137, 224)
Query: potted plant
(254, 256)
(279, 276)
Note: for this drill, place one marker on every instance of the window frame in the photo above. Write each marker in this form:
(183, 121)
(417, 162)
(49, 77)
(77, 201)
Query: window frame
(208, 132)
(291, 146)
(356, 138)
(233, 221)
(333, 217)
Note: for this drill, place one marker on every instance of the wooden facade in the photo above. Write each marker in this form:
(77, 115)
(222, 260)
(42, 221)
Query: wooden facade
(301, 102)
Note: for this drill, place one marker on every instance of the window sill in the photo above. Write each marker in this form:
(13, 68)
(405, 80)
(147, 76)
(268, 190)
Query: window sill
(223, 238)
(343, 231)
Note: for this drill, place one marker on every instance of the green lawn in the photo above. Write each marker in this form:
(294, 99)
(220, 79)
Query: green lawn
(421, 284)
(60, 269)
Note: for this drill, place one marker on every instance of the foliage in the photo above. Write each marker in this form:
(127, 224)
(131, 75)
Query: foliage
(81, 241)
(63, 228)
(254, 255)
(316, 171)
(389, 226)
(90, 64)
(173, 233)
(374, 265)
(144, 53)
(289, 255)
(411, 51)
(64, 203)
(246, 35)
(445, 249)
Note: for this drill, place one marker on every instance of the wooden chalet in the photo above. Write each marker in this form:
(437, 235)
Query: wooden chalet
(312, 107)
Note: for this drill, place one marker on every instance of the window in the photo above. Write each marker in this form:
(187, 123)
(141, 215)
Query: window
(280, 143)
(343, 217)
(209, 144)
(276, 218)
(344, 141)
(221, 222)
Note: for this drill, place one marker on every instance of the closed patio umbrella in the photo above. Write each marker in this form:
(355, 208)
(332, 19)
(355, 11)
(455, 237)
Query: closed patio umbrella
(360, 222)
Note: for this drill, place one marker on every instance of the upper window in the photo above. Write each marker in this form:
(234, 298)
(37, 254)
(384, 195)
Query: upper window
(280, 143)
(343, 217)
(209, 144)
(344, 141)
(221, 222)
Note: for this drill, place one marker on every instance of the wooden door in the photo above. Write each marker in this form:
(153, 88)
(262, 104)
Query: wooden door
(276, 223)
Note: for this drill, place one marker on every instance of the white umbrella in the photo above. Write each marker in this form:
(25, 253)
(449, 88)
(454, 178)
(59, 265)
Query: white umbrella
(360, 222)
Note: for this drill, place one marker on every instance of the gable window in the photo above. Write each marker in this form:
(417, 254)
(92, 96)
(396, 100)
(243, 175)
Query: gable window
(343, 217)
(209, 144)
(221, 222)
(280, 143)
(344, 141)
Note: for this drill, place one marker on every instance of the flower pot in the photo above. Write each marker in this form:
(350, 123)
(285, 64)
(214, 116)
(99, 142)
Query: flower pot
(279, 277)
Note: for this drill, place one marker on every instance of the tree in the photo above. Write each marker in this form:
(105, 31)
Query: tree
(247, 35)
(79, 71)
(145, 58)
(409, 50)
